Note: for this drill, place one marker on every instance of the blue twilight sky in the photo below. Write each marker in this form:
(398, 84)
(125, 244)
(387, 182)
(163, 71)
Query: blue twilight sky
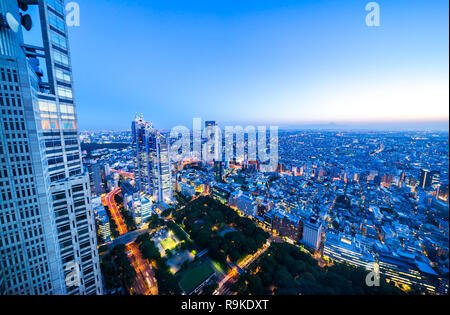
(283, 62)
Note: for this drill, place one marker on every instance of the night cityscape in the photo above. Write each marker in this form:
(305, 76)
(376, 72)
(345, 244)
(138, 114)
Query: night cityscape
(328, 189)
(344, 198)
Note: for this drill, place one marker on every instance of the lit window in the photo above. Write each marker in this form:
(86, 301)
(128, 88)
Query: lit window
(49, 124)
(49, 116)
(47, 106)
(67, 109)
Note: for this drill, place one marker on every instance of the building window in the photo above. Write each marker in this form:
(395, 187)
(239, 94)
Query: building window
(64, 92)
(56, 22)
(57, 5)
(49, 124)
(67, 109)
(63, 75)
(58, 40)
(60, 58)
(49, 116)
(69, 125)
(47, 106)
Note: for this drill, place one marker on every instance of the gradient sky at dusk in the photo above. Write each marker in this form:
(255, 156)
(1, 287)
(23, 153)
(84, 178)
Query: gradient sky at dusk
(251, 61)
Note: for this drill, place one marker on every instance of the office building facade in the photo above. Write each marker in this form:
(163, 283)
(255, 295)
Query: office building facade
(312, 232)
(287, 225)
(152, 167)
(97, 179)
(47, 226)
(428, 178)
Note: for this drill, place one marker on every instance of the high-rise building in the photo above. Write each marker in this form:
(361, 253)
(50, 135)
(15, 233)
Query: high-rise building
(97, 179)
(428, 178)
(47, 226)
(209, 137)
(152, 167)
(312, 232)
(218, 171)
(95, 169)
(2, 285)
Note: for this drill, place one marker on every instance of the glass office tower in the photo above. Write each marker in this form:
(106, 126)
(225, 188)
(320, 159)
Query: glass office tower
(152, 167)
(47, 229)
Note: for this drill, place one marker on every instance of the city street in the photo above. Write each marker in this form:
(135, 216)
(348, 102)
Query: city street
(232, 276)
(145, 283)
(115, 213)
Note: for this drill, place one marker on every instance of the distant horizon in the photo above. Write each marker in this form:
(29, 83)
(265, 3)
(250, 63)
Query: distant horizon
(405, 126)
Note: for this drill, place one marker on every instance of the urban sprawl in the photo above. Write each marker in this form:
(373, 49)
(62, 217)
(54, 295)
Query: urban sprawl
(366, 200)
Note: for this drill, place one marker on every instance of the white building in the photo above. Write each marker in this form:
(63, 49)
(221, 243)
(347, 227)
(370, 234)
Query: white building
(312, 232)
(142, 209)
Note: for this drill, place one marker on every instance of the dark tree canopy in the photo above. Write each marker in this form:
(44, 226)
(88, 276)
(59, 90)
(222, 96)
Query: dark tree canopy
(289, 271)
(204, 218)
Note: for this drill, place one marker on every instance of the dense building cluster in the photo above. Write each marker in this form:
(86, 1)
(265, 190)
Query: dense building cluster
(377, 200)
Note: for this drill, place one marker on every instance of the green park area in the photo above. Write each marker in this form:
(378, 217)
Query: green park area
(218, 228)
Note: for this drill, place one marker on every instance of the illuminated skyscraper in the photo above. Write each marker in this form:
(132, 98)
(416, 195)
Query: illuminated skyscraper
(428, 178)
(47, 230)
(218, 171)
(152, 161)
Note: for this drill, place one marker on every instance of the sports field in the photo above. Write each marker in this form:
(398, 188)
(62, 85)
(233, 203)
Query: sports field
(194, 277)
(168, 243)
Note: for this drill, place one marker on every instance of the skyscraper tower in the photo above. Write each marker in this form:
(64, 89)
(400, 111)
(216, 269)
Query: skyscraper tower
(218, 171)
(152, 167)
(428, 178)
(47, 229)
